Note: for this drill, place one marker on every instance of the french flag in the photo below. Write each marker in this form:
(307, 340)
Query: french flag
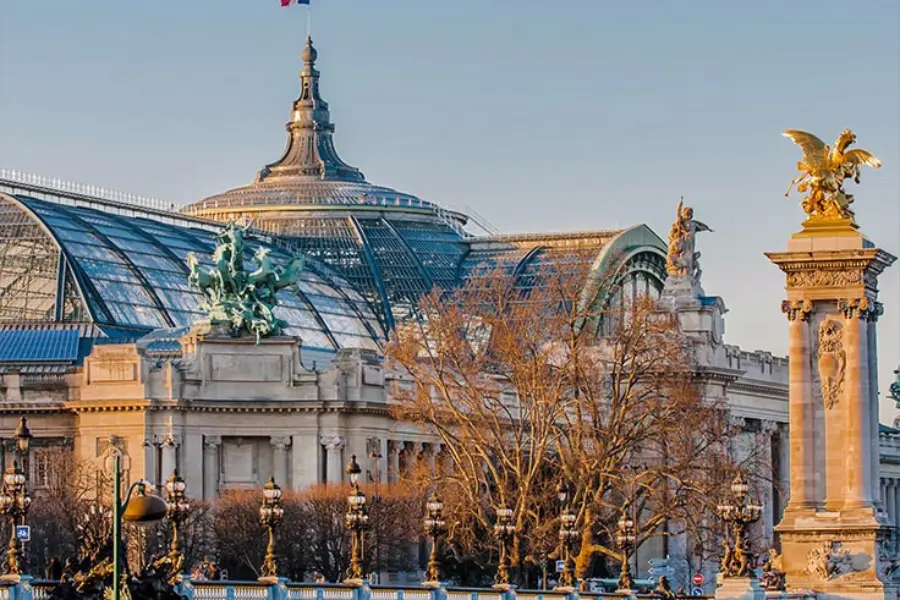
(293, 2)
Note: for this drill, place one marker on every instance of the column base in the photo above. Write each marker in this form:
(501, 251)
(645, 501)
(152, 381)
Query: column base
(739, 588)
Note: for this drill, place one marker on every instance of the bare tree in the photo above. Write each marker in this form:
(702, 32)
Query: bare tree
(527, 386)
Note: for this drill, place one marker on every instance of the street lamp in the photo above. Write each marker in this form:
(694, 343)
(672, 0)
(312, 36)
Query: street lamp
(270, 515)
(14, 503)
(357, 521)
(504, 530)
(177, 509)
(626, 538)
(741, 512)
(23, 441)
(567, 536)
(142, 510)
(435, 526)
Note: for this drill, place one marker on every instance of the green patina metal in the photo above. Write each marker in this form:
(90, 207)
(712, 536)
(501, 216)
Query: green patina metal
(232, 295)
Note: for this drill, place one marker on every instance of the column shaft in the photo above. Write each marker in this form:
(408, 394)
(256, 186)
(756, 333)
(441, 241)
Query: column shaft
(800, 416)
(856, 397)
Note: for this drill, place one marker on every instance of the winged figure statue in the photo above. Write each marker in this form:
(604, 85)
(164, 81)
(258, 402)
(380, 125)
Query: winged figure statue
(823, 171)
(682, 259)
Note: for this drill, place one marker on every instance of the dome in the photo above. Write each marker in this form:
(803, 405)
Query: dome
(390, 245)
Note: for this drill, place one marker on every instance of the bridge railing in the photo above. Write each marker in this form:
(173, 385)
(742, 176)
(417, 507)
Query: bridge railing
(41, 589)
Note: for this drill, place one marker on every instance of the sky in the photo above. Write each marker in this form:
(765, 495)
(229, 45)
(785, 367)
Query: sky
(542, 116)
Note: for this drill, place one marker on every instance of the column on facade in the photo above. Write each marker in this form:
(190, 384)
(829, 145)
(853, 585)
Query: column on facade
(211, 445)
(393, 474)
(890, 496)
(169, 446)
(767, 490)
(280, 445)
(430, 453)
(334, 468)
(800, 403)
(895, 495)
(150, 471)
(856, 400)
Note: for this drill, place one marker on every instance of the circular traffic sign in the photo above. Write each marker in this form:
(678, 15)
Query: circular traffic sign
(697, 591)
(697, 579)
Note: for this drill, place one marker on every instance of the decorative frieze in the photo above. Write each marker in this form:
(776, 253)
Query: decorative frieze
(816, 278)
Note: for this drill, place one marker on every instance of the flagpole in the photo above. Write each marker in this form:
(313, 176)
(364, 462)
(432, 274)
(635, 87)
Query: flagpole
(309, 20)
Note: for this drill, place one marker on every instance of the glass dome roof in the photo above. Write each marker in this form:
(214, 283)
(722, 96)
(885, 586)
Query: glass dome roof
(131, 272)
(391, 246)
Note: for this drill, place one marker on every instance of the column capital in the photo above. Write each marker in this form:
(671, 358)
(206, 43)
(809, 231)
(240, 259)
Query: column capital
(797, 309)
(211, 442)
(768, 428)
(860, 308)
(280, 442)
(332, 441)
(736, 421)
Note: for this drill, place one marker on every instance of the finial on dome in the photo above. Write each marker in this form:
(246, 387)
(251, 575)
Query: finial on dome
(309, 54)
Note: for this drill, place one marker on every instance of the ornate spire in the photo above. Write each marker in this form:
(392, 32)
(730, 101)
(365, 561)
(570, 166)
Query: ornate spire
(310, 151)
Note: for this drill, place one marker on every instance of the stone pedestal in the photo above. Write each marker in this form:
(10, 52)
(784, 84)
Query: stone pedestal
(739, 588)
(832, 535)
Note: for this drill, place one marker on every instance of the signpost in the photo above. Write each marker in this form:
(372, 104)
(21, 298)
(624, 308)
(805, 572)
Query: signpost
(698, 579)
(661, 571)
(560, 566)
(23, 533)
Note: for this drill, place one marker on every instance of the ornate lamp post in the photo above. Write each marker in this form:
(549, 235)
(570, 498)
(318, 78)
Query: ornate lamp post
(568, 534)
(435, 526)
(357, 521)
(23, 443)
(626, 538)
(177, 509)
(270, 515)
(741, 512)
(143, 510)
(14, 503)
(504, 530)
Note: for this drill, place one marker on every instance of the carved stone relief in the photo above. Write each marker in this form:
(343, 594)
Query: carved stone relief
(823, 278)
(830, 560)
(832, 361)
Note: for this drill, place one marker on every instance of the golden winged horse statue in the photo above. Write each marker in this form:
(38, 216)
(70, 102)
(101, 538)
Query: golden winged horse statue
(823, 171)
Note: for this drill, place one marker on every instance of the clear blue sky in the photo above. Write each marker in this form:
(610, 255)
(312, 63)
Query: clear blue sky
(541, 115)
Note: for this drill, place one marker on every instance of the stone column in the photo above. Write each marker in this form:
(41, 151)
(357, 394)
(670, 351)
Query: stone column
(767, 490)
(169, 457)
(891, 499)
(334, 467)
(877, 309)
(211, 445)
(393, 474)
(856, 396)
(150, 471)
(800, 406)
(280, 444)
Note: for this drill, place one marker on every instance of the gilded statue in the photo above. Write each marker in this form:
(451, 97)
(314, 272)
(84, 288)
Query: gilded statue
(823, 171)
(244, 300)
(682, 259)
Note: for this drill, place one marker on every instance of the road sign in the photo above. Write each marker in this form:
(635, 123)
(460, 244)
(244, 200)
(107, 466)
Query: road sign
(697, 591)
(560, 566)
(658, 562)
(698, 579)
(23, 533)
(661, 571)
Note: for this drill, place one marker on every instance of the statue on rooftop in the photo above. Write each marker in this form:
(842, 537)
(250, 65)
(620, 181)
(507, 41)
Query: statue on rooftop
(823, 171)
(246, 301)
(682, 259)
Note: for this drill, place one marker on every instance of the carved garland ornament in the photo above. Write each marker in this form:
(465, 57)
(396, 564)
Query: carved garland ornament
(832, 361)
(801, 279)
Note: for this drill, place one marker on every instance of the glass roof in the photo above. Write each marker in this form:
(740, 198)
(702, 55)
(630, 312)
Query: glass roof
(132, 272)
